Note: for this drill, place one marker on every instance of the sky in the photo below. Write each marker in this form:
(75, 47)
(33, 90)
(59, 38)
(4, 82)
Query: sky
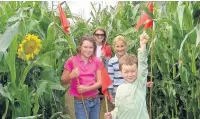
(83, 8)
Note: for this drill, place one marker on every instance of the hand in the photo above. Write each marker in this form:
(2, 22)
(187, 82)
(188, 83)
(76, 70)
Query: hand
(108, 115)
(111, 99)
(74, 73)
(102, 54)
(144, 39)
(149, 84)
(82, 89)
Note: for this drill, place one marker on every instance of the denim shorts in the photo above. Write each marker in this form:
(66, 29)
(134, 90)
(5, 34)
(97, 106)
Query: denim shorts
(92, 107)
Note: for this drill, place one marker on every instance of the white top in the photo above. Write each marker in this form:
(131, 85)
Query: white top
(130, 99)
(98, 52)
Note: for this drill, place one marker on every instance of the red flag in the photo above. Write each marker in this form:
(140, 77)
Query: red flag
(64, 20)
(106, 81)
(145, 19)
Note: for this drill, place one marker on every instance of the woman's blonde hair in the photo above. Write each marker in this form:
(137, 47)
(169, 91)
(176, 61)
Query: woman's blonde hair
(119, 38)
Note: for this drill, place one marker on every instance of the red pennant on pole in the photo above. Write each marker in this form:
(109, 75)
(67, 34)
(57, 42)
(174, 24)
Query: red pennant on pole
(145, 19)
(63, 19)
(106, 81)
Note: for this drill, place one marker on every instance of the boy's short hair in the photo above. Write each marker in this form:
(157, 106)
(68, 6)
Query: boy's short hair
(119, 38)
(128, 60)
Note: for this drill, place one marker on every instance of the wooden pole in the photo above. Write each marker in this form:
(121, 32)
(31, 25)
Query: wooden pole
(106, 101)
(151, 77)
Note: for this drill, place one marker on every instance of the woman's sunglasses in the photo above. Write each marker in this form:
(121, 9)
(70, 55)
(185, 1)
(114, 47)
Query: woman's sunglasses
(97, 35)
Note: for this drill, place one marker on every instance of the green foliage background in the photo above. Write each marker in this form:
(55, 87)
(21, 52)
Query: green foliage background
(31, 89)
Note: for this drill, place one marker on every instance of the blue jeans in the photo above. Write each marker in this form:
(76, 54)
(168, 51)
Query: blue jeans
(92, 107)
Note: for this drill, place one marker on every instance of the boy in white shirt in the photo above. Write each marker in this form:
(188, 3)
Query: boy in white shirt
(130, 100)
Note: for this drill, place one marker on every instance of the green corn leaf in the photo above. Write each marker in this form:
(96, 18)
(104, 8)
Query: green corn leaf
(8, 36)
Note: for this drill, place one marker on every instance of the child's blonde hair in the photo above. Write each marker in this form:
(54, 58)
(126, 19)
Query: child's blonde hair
(128, 60)
(119, 38)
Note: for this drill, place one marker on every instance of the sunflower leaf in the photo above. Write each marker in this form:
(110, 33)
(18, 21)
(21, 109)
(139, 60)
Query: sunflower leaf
(8, 36)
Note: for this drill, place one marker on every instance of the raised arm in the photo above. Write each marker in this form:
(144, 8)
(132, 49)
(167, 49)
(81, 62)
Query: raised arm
(142, 58)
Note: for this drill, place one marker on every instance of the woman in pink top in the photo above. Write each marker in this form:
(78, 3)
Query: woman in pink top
(86, 68)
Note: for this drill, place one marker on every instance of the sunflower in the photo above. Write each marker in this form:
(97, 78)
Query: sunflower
(29, 47)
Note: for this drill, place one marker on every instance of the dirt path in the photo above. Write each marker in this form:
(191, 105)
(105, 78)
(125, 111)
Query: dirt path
(70, 105)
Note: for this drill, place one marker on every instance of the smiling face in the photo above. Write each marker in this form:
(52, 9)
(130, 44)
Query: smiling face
(87, 49)
(120, 48)
(99, 36)
(128, 67)
(129, 72)
(87, 46)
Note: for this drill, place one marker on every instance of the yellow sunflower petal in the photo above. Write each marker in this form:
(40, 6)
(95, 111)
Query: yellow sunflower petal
(28, 37)
(20, 45)
(32, 56)
(36, 51)
(24, 41)
(28, 57)
(29, 47)
(38, 41)
(20, 49)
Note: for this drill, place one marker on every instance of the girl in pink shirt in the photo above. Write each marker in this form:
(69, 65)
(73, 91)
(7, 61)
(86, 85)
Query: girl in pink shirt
(84, 67)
